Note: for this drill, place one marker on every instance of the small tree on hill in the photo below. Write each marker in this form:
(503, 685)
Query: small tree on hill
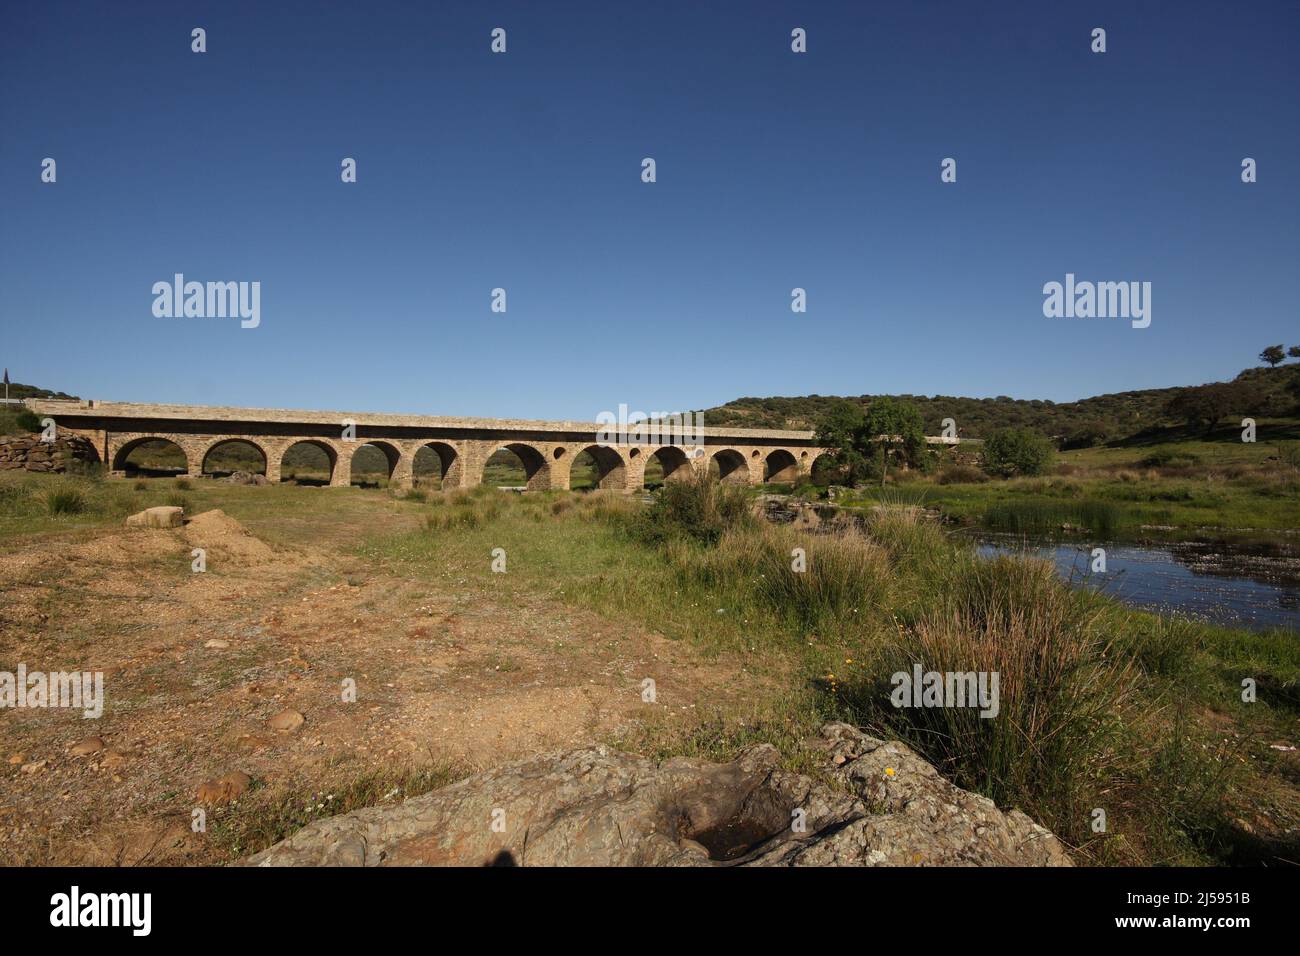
(1294, 351)
(1204, 406)
(1273, 355)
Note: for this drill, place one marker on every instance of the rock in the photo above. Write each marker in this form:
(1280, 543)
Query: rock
(16, 759)
(598, 807)
(164, 516)
(224, 789)
(90, 745)
(217, 645)
(286, 721)
(247, 478)
(36, 766)
(116, 757)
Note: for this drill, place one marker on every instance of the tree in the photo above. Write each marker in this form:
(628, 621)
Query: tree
(1085, 434)
(1020, 452)
(863, 440)
(895, 427)
(1204, 406)
(842, 428)
(1294, 351)
(1273, 355)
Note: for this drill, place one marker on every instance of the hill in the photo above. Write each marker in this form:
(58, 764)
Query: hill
(1110, 417)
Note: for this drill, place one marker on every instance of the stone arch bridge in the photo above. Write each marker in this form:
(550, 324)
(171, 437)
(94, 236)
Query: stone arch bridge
(463, 445)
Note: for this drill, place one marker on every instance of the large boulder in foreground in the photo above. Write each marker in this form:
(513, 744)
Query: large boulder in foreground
(597, 807)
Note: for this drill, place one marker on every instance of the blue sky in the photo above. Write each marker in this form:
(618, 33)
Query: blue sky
(522, 171)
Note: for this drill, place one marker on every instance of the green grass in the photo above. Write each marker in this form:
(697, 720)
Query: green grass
(263, 817)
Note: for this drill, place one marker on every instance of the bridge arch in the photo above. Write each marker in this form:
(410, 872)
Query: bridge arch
(610, 467)
(781, 467)
(391, 456)
(447, 457)
(164, 448)
(229, 455)
(537, 468)
(672, 461)
(303, 461)
(731, 466)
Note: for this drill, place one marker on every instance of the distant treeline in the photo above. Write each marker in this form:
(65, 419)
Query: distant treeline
(1273, 392)
(18, 390)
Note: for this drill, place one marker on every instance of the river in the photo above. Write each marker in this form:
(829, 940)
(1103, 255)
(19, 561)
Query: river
(1237, 585)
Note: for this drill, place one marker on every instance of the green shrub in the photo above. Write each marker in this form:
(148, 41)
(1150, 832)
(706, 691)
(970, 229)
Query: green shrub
(183, 484)
(64, 500)
(28, 420)
(698, 507)
(1017, 451)
(959, 474)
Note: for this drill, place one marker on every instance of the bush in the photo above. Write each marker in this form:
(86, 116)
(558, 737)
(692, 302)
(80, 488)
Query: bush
(960, 475)
(64, 500)
(183, 484)
(28, 420)
(697, 507)
(1017, 451)
(846, 577)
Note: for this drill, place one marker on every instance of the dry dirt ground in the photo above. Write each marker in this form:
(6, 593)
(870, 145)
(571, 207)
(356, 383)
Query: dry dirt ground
(195, 665)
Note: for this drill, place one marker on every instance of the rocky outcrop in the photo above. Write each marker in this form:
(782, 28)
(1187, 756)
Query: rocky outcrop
(597, 807)
(30, 453)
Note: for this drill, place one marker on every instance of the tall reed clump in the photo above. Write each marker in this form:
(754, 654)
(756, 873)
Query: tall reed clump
(832, 580)
(1036, 516)
(64, 499)
(697, 507)
(1060, 689)
(844, 577)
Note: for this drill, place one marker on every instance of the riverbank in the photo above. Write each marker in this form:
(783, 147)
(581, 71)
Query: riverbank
(1184, 490)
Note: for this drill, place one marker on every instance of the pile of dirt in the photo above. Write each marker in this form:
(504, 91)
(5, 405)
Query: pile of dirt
(215, 531)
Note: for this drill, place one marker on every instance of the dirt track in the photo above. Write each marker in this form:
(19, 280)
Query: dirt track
(196, 664)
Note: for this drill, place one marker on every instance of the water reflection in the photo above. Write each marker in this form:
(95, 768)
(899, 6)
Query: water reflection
(1256, 588)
